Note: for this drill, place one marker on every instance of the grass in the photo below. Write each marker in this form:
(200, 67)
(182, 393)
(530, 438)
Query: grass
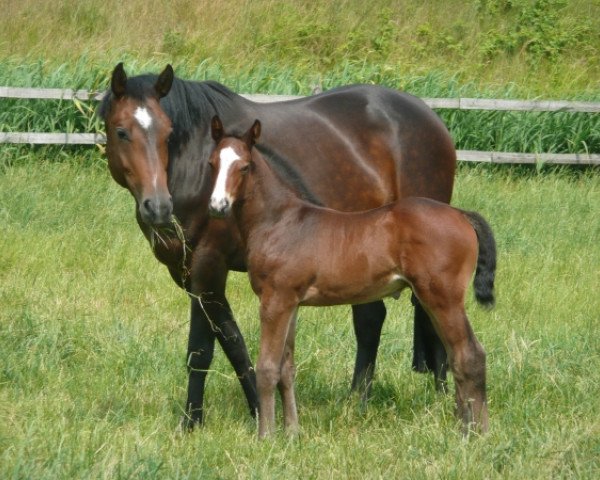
(92, 347)
(546, 47)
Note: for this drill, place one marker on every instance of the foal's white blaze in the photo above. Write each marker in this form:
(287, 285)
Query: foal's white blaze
(143, 117)
(220, 197)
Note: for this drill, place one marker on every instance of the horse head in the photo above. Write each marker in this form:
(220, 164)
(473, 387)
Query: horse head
(137, 134)
(230, 161)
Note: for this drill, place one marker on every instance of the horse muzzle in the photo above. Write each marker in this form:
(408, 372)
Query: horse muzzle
(157, 211)
(219, 208)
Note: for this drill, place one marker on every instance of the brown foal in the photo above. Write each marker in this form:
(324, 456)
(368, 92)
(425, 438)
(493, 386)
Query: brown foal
(302, 254)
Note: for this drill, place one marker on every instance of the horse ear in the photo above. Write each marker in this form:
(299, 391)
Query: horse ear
(164, 82)
(216, 129)
(254, 132)
(118, 81)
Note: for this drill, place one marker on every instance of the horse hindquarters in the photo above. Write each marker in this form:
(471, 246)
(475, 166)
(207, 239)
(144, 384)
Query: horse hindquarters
(466, 356)
(440, 281)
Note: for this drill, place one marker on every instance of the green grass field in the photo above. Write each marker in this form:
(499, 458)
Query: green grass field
(539, 47)
(93, 335)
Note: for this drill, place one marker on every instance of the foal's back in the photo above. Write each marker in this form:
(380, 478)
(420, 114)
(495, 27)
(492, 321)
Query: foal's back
(333, 257)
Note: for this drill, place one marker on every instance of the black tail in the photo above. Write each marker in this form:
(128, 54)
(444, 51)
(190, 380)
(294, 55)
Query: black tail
(486, 260)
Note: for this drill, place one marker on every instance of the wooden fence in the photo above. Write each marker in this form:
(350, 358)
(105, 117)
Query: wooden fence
(436, 103)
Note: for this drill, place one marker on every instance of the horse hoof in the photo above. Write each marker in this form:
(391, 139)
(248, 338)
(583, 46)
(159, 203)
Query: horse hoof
(187, 424)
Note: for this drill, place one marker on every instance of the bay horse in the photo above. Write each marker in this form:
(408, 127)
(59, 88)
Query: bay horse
(298, 253)
(369, 146)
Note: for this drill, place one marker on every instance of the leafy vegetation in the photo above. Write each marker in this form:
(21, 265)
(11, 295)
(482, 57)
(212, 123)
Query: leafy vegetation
(472, 130)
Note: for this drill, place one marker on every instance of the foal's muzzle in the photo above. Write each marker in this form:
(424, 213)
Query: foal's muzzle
(219, 208)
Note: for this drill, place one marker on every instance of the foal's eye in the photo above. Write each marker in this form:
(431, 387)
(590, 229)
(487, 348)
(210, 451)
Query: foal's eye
(122, 133)
(245, 168)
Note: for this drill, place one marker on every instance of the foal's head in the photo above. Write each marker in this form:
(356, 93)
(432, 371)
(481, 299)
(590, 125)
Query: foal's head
(230, 161)
(137, 132)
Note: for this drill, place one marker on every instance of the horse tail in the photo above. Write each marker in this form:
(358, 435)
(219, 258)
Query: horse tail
(486, 260)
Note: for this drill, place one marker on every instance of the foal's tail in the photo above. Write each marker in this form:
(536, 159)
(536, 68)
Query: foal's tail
(486, 260)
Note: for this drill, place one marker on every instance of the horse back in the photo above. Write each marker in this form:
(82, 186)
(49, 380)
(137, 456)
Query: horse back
(359, 147)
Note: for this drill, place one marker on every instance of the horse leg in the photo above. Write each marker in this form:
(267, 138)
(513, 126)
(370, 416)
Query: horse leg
(368, 320)
(201, 345)
(429, 354)
(275, 320)
(232, 342)
(212, 318)
(286, 382)
(467, 361)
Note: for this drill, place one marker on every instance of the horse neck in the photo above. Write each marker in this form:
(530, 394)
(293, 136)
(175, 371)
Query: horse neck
(190, 105)
(267, 198)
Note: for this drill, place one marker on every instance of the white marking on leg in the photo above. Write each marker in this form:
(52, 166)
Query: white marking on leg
(143, 117)
(220, 197)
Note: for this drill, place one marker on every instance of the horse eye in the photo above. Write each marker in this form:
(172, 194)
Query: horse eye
(122, 133)
(245, 168)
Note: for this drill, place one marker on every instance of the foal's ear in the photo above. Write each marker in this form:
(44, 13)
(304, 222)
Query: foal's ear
(216, 129)
(164, 82)
(118, 81)
(254, 133)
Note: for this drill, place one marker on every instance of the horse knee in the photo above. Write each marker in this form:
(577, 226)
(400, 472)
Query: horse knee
(199, 361)
(267, 375)
(469, 363)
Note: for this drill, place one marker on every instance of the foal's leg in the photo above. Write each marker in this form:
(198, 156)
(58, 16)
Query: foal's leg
(467, 361)
(275, 319)
(368, 319)
(286, 382)
(429, 353)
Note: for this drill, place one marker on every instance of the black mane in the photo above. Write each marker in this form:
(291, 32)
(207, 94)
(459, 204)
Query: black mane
(286, 172)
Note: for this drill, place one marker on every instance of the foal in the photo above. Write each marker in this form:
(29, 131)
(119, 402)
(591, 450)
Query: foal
(302, 254)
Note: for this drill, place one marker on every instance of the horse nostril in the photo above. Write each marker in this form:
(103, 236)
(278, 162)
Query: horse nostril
(218, 208)
(156, 211)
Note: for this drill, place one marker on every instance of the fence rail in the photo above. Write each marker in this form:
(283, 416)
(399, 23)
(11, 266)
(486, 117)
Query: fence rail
(436, 103)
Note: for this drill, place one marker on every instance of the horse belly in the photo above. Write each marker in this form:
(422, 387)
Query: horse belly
(353, 291)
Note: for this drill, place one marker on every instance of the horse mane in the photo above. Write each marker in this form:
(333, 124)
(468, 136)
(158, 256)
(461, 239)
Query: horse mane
(287, 174)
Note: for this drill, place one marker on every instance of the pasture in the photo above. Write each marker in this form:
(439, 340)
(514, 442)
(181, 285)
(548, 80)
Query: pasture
(93, 335)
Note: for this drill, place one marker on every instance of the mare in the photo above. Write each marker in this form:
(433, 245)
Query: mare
(299, 254)
(368, 146)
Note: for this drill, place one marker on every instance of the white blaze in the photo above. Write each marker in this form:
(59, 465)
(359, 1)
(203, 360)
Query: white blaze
(227, 157)
(143, 117)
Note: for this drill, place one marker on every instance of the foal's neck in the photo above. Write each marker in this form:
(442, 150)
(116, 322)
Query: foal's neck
(267, 197)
